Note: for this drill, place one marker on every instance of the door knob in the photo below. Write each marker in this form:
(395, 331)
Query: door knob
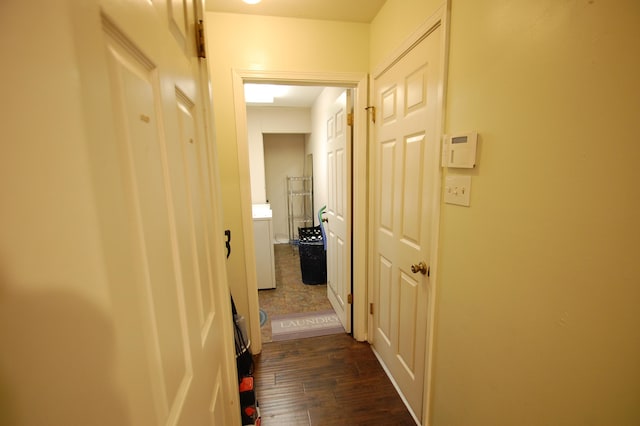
(420, 267)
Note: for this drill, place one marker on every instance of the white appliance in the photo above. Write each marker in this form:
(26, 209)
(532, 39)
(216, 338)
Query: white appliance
(263, 241)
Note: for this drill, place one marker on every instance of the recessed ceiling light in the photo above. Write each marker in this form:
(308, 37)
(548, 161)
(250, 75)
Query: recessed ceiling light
(252, 1)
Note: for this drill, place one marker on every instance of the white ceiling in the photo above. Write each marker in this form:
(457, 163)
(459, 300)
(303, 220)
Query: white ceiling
(334, 10)
(296, 96)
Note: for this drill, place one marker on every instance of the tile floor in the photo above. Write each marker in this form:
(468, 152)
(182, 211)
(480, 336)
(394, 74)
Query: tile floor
(290, 294)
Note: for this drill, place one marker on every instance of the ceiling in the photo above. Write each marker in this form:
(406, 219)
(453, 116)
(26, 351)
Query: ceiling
(334, 10)
(294, 96)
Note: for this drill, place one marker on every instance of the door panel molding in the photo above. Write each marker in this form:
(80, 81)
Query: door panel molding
(179, 294)
(415, 97)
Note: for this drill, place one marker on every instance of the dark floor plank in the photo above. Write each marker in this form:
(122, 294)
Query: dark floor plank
(328, 380)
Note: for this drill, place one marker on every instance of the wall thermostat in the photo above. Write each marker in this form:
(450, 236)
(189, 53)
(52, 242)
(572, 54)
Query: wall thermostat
(460, 150)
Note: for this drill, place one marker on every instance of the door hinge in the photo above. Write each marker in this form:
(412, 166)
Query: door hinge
(200, 39)
(350, 119)
(371, 308)
(350, 299)
(372, 109)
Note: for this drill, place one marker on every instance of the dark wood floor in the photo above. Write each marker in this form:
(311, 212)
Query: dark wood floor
(329, 380)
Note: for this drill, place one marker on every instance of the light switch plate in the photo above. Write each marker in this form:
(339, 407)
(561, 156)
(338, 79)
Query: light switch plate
(457, 190)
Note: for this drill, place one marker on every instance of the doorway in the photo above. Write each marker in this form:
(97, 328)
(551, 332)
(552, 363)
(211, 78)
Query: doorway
(290, 132)
(358, 82)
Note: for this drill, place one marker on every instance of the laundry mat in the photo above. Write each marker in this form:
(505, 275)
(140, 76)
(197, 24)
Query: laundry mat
(307, 324)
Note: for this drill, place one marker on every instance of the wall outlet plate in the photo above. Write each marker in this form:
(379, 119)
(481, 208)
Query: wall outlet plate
(457, 190)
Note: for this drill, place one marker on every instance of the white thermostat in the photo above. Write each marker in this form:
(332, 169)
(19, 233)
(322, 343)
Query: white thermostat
(459, 150)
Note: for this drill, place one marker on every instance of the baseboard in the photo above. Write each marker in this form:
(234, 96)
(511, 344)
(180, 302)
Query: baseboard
(395, 385)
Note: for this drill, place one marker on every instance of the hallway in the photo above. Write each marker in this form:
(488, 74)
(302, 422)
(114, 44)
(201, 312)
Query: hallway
(328, 380)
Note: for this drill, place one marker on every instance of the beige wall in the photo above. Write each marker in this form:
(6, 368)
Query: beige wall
(248, 42)
(537, 291)
(58, 362)
(283, 157)
(538, 282)
(394, 23)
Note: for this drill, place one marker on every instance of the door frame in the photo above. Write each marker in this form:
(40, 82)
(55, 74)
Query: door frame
(359, 82)
(441, 16)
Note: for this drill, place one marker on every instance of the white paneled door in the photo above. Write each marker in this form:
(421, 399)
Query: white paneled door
(405, 167)
(172, 311)
(114, 304)
(338, 225)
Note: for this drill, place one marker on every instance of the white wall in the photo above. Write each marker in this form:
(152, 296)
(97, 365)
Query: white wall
(316, 144)
(262, 120)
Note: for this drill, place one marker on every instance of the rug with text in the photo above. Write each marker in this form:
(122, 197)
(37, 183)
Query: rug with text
(306, 324)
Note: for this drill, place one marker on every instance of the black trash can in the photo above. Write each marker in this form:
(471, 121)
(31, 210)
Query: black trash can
(313, 258)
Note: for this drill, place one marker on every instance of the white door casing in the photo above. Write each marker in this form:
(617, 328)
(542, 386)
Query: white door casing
(359, 82)
(173, 314)
(407, 96)
(338, 225)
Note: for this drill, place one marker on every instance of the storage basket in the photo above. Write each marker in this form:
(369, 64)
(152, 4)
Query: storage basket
(313, 258)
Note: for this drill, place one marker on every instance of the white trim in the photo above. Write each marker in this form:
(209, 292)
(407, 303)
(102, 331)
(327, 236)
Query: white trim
(301, 78)
(359, 196)
(359, 211)
(244, 180)
(395, 385)
(420, 33)
(444, 13)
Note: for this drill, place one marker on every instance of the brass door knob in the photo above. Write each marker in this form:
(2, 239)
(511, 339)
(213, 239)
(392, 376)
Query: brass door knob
(420, 267)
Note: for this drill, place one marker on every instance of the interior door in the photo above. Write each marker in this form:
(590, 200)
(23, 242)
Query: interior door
(405, 167)
(172, 312)
(338, 225)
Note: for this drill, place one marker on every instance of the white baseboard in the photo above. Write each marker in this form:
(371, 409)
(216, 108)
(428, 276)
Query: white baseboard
(395, 385)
